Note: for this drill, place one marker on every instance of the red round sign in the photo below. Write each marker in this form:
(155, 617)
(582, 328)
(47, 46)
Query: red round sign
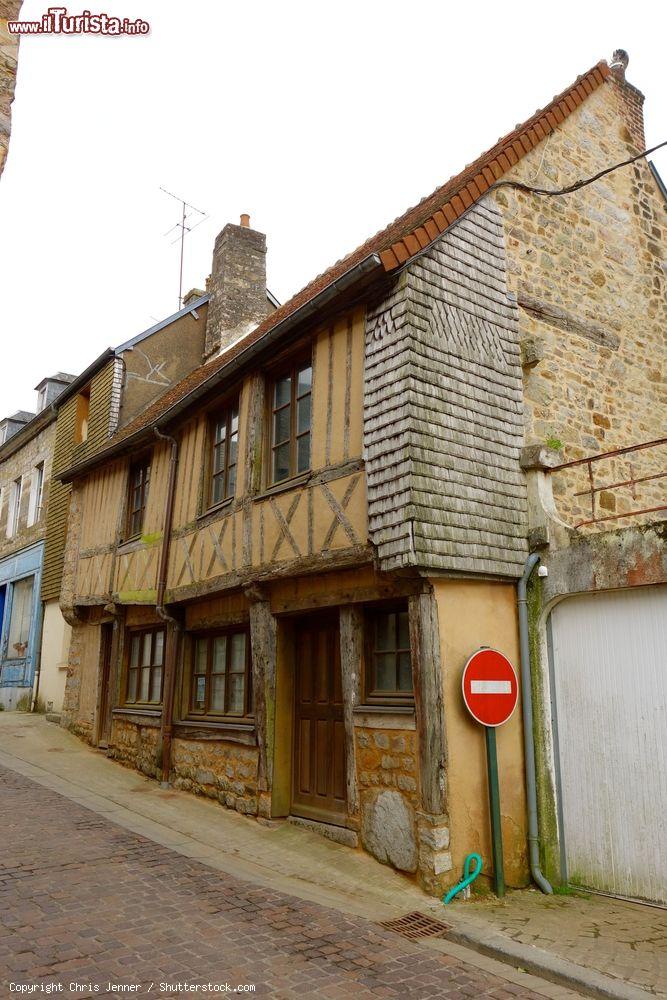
(490, 687)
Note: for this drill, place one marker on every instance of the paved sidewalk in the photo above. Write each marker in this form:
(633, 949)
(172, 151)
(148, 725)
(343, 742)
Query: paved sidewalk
(605, 947)
(625, 942)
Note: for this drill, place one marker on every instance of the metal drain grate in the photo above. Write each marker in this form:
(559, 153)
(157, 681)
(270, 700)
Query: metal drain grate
(416, 925)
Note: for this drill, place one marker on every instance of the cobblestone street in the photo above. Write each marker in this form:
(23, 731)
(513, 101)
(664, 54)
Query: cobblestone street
(84, 901)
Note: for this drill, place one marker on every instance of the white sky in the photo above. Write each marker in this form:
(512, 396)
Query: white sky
(323, 121)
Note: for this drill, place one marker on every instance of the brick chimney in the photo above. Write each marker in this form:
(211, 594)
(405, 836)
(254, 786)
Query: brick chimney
(237, 286)
(631, 99)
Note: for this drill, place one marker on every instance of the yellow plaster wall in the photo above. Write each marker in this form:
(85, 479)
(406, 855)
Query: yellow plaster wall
(473, 614)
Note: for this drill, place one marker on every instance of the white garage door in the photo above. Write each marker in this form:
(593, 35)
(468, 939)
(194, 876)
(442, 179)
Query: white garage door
(610, 672)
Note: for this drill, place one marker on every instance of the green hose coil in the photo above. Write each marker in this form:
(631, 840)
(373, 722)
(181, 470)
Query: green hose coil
(467, 877)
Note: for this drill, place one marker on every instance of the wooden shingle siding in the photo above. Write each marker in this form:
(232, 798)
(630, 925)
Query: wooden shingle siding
(65, 453)
(443, 410)
(387, 410)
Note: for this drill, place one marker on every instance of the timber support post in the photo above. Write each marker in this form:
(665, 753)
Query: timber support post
(351, 660)
(432, 821)
(167, 720)
(263, 642)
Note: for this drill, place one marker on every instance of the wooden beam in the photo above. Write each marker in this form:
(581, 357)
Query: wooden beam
(263, 645)
(254, 433)
(351, 665)
(429, 701)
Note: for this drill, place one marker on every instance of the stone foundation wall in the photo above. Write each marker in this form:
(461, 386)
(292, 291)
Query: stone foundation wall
(136, 745)
(223, 771)
(388, 780)
(78, 714)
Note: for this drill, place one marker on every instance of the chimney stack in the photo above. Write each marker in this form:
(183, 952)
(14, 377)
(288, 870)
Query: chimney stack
(237, 286)
(631, 100)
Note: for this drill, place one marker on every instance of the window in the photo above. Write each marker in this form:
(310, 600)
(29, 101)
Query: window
(21, 614)
(224, 451)
(15, 510)
(144, 667)
(290, 423)
(37, 494)
(81, 417)
(389, 667)
(140, 476)
(221, 682)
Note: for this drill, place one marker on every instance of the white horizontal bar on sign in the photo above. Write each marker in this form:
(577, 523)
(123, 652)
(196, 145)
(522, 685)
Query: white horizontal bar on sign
(490, 687)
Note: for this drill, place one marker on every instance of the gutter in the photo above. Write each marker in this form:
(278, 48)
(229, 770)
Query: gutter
(300, 315)
(528, 739)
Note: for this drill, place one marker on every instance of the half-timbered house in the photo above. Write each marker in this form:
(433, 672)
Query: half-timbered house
(278, 569)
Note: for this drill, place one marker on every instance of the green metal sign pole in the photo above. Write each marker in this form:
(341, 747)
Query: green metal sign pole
(494, 806)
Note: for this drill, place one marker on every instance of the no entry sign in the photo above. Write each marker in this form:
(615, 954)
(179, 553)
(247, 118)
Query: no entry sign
(490, 687)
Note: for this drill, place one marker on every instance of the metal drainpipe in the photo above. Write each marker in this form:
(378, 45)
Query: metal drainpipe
(528, 741)
(169, 671)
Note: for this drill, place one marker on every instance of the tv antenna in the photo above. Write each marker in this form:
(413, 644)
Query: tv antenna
(188, 211)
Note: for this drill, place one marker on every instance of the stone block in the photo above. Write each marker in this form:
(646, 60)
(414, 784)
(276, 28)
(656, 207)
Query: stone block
(538, 456)
(532, 352)
(436, 838)
(388, 829)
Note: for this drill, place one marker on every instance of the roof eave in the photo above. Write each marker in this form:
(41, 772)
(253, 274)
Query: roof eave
(371, 263)
(23, 437)
(82, 380)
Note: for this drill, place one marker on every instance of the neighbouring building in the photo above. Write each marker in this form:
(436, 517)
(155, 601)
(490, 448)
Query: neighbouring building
(26, 655)
(277, 570)
(9, 54)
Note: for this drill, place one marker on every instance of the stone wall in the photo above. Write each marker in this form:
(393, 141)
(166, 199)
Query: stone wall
(588, 270)
(136, 745)
(9, 53)
(388, 781)
(223, 771)
(23, 463)
(80, 697)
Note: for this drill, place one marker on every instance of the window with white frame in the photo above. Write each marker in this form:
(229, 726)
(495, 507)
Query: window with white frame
(15, 508)
(36, 494)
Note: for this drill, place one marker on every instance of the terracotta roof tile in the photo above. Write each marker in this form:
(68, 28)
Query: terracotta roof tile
(412, 243)
(399, 240)
(450, 213)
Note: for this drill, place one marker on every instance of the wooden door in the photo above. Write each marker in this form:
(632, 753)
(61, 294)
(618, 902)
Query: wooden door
(318, 772)
(104, 723)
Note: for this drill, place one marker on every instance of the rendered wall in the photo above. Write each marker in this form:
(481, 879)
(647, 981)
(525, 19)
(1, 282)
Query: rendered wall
(473, 614)
(56, 636)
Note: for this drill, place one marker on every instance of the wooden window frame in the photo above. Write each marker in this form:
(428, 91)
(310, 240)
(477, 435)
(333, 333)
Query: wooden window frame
(215, 418)
(296, 364)
(144, 464)
(373, 695)
(207, 714)
(130, 635)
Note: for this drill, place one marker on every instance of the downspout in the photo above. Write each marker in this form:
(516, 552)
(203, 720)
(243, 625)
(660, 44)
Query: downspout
(528, 740)
(170, 651)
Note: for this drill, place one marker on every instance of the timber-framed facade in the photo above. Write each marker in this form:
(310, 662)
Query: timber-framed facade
(277, 570)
